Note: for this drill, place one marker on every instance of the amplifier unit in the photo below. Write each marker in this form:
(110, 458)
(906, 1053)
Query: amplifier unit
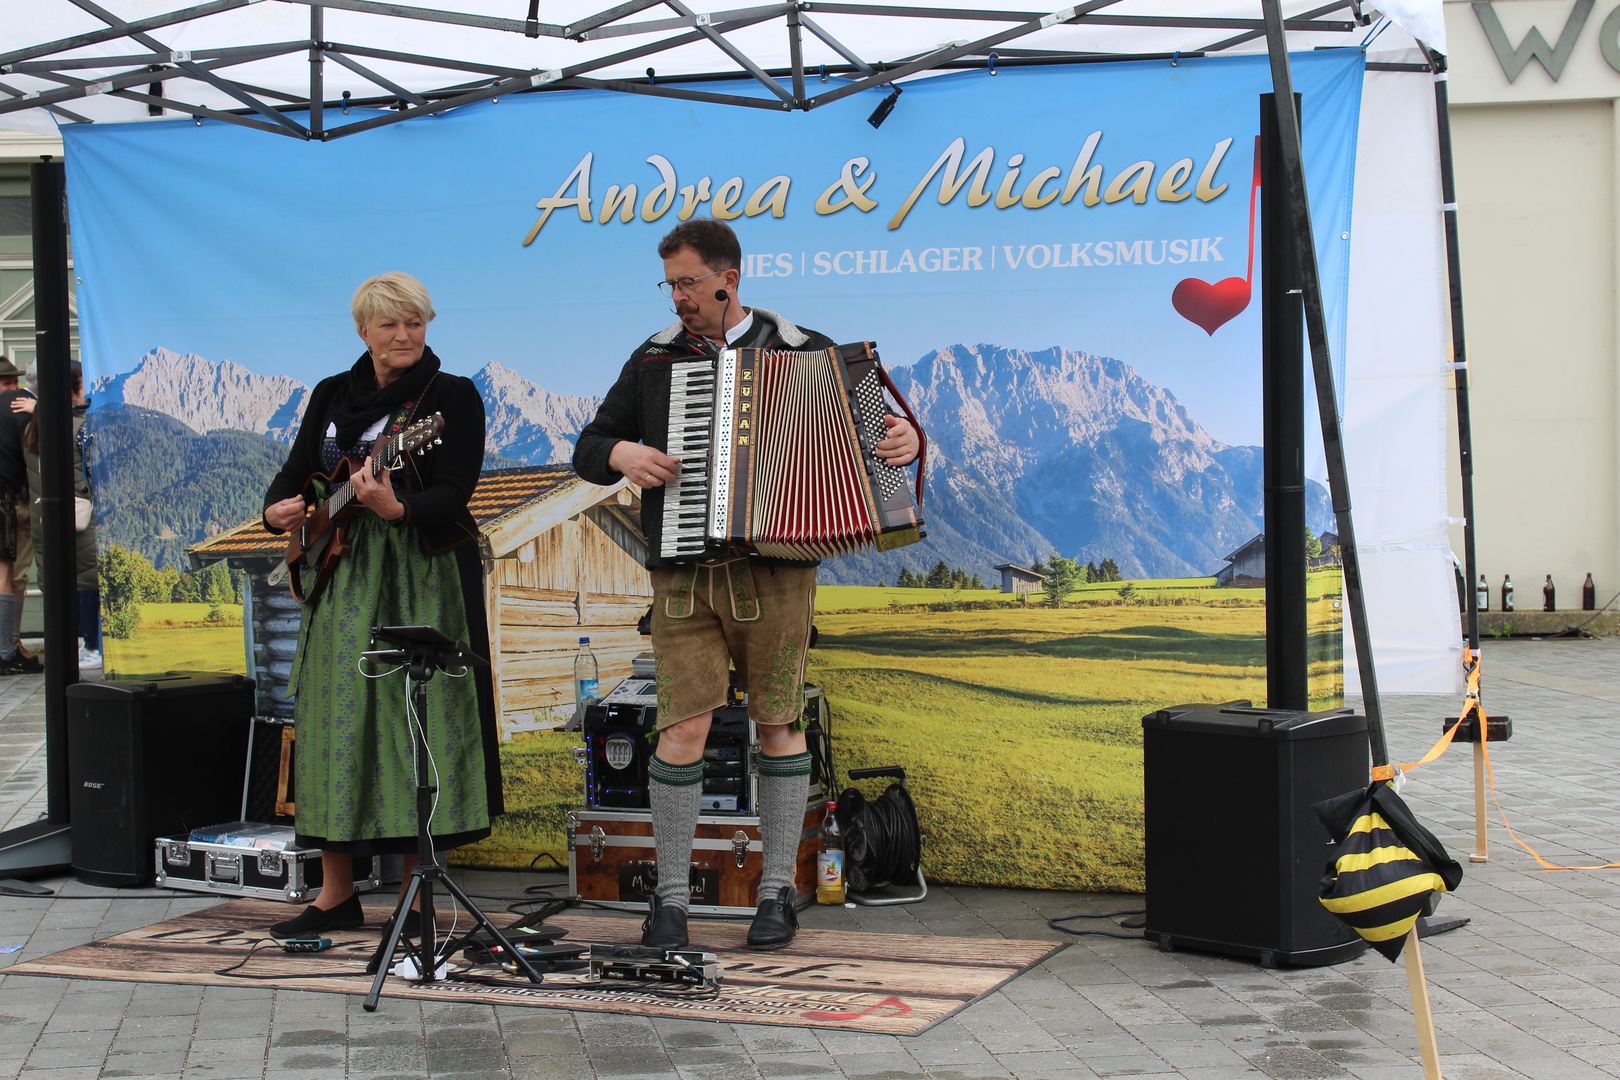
(149, 757)
(620, 735)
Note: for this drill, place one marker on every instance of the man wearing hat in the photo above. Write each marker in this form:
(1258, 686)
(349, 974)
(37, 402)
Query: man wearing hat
(14, 540)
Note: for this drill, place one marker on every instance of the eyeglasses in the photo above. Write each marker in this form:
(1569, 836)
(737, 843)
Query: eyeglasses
(684, 284)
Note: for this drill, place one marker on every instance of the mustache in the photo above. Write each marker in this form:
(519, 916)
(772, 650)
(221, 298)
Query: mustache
(686, 307)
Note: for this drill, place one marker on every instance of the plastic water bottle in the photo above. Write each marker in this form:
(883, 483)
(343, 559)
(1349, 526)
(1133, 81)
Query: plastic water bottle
(584, 671)
(830, 863)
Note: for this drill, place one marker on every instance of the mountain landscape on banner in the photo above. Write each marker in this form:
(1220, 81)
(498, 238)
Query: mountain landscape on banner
(1029, 453)
(1060, 450)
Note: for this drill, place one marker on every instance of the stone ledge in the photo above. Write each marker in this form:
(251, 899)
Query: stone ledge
(1545, 623)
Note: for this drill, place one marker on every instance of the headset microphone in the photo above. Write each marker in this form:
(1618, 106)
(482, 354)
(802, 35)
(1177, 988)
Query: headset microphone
(722, 295)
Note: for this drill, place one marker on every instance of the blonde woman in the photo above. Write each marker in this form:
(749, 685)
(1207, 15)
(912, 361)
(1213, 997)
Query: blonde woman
(414, 562)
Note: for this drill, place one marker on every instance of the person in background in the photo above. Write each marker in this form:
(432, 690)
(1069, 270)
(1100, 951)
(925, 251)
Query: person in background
(22, 405)
(13, 495)
(87, 569)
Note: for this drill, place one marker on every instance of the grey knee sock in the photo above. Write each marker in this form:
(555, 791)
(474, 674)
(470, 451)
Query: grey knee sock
(784, 783)
(676, 792)
(8, 643)
(16, 614)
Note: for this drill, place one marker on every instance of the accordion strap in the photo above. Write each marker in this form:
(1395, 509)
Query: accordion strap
(922, 438)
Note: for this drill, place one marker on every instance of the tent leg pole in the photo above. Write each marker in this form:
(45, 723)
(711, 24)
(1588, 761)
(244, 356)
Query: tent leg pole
(1292, 175)
(1419, 986)
(1459, 345)
(1481, 849)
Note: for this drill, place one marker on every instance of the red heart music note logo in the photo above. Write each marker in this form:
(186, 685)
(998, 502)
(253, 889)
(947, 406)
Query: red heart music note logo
(1213, 306)
(887, 1003)
(1210, 306)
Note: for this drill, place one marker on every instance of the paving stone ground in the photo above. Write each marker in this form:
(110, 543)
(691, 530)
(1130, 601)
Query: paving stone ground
(1530, 989)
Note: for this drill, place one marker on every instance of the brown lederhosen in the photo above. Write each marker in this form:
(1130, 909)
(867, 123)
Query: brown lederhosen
(707, 616)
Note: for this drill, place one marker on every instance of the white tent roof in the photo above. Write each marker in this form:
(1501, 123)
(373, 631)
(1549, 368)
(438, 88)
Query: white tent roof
(229, 56)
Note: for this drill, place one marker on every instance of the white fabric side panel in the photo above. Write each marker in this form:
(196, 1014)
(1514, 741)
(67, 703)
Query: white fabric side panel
(1396, 394)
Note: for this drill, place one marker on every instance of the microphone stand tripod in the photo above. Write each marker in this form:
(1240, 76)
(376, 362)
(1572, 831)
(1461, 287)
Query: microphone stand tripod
(422, 650)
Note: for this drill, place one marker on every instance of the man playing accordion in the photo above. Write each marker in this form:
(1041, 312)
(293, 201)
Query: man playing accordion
(730, 608)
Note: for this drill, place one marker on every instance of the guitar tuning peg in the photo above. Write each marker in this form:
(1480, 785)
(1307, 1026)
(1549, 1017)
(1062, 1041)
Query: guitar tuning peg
(438, 442)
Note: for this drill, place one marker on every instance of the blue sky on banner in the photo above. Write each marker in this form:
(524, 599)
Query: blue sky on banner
(238, 245)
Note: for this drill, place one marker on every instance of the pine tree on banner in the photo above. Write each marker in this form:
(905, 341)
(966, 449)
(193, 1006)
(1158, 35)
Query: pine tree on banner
(1388, 870)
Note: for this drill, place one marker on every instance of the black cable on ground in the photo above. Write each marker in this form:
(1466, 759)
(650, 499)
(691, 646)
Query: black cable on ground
(1576, 631)
(231, 972)
(1054, 924)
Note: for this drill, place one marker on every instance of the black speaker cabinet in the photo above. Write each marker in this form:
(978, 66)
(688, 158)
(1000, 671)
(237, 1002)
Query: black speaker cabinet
(1234, 853)
(150, 757)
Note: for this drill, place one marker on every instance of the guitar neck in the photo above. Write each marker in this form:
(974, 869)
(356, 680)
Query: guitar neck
(343, 494)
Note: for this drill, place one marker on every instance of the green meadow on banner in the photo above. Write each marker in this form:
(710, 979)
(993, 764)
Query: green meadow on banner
(1056, 265)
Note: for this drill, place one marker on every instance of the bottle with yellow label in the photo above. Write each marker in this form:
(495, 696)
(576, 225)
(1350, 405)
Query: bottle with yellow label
(830, 863)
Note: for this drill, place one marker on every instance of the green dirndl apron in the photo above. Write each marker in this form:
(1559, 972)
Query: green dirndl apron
(355, 775)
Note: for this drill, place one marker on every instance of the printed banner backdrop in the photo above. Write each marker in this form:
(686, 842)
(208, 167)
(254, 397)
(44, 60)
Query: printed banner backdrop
(1056, 265)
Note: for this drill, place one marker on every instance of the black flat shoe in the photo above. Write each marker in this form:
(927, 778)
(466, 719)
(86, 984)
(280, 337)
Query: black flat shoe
(313, 922)
(776, 921)
(664, 927)
(413, 925)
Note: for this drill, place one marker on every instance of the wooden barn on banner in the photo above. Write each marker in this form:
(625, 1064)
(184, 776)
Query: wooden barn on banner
(563, 560)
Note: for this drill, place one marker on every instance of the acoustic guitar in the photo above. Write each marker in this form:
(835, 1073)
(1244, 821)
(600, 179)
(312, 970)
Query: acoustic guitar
(316, 546)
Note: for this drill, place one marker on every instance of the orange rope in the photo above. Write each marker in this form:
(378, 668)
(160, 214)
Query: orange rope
(1545, 865)
(1471, 703)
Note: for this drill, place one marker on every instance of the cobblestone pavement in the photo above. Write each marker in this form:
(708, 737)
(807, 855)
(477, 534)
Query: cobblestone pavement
(1530, 989)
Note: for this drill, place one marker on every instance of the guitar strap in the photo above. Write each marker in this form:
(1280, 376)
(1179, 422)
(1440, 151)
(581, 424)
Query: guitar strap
(406, 416)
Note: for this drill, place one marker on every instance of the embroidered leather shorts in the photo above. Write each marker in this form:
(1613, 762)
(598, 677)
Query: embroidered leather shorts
(709, 616)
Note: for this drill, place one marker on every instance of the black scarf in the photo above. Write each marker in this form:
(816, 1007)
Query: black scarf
(359, 404)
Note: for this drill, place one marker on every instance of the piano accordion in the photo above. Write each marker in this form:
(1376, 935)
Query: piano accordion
(778, 456)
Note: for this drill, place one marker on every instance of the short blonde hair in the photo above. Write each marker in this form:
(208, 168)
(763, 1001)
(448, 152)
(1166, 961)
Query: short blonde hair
(395, 295)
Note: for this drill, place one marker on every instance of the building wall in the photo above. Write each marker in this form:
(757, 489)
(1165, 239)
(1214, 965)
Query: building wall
(1536, 195)
(17, 151)
(570, 582)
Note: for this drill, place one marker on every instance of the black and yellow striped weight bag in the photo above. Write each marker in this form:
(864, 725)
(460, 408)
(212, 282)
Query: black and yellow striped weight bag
(1387, 868)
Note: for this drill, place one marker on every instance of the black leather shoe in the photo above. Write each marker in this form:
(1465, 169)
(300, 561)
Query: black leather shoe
(313, 922)
(776, 921)
(664, 927)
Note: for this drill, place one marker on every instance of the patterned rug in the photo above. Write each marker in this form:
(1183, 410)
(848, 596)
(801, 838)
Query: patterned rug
(893, 984)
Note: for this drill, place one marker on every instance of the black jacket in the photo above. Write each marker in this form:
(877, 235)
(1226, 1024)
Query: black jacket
(438, 484)
(636, 409)
(13, 470)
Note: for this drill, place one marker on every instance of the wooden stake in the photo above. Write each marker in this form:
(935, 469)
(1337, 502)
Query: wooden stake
(1481, 850)
(1420, 1007)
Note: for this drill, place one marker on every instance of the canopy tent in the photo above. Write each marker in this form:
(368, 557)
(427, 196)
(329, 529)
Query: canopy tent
(291, 67)
(73, 61)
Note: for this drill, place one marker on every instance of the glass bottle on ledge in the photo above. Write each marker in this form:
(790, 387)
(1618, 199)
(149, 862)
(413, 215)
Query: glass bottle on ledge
(1589, 595)
(1549, 597)
(1482, 595)
(1507, 593)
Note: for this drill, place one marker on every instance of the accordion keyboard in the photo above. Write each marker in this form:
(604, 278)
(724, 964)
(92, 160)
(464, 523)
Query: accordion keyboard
(691, 411)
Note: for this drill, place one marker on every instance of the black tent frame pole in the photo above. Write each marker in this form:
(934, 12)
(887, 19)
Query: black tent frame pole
(1298, 202)
(57, 547)
(1282, 379)
(1459, 343)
